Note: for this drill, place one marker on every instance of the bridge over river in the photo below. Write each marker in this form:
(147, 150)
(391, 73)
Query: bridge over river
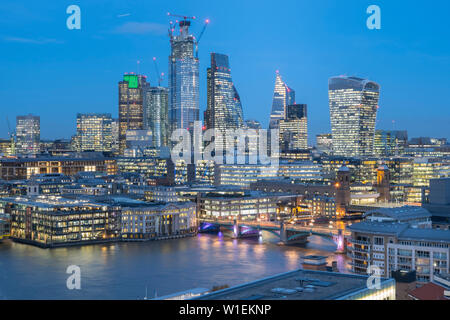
(287, 233)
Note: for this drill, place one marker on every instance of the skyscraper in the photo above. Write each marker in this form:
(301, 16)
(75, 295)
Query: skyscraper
(94, 132)
(390, 143)
(294, 128)
(353, 111)
(283, 96)
(131, 113)
(183, 79)
(156, 116)
(224, 108)
(28, 134)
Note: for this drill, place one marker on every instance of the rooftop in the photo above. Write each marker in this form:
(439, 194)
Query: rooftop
(403, 231)
(295, 285)
(429, 291)
(400, 213)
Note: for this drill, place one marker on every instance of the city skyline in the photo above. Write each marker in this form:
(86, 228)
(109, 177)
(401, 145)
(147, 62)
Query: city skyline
(406, 114)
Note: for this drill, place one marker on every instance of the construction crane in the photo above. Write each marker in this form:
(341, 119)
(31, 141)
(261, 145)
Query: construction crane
(180, 16)
(184, 25)
(200, 36)
(11, 135)
(159, 75)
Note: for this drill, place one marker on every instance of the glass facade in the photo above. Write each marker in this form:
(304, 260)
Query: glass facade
(131, 115)
(183, 80)
(156, 114)
(294, 128)
(94, 132)
(224, 109)
(283, 96)
(353, 111)
(28, 134)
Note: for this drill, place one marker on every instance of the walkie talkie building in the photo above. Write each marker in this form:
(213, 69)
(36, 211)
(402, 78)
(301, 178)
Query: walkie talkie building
(353, 112)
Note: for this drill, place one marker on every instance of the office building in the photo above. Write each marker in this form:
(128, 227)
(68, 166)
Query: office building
(224, 108)
(51, 221)
(94, 132)
(24, 168)
(156, 114)
(294, 128)
(242, 205)
(149, 221)
(183, 79)
(131, 112)
(283, 96)
(390, 143)
(353, 111)
(28, 134)
(324, 143)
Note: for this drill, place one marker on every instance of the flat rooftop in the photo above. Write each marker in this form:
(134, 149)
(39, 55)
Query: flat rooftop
(295, 285)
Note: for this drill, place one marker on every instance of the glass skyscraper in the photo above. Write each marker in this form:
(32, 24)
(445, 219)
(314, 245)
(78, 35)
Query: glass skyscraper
(283, 96)
(183, 80)
(353, 112)
(131, 113)
(28, 134)
(156, 116)
(294, 128)
(224, 108)
(94, 132)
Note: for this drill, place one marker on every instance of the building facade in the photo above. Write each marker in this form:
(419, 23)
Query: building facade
(294, 128)
(94, 132)
(393, 246)
(224, 108)
(283, 96)
(28, 134)
(353, 111)
(156, 114)
(50, 221)
(183, 79)
(131, 112)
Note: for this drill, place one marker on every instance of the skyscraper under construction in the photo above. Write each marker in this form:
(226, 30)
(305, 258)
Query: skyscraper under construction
(183, 78)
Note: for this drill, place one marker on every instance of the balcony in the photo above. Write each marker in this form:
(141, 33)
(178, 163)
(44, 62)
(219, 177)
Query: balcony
(360, 242)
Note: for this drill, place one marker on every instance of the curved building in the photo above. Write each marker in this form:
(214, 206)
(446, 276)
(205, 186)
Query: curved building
(353, 112)
(224, 109)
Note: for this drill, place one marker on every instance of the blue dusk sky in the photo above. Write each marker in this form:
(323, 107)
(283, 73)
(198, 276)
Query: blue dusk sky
(54, 72)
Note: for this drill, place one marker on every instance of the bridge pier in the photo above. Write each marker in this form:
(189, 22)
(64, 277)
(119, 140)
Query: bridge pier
(341, 242)
(288, 237)
(243, 231)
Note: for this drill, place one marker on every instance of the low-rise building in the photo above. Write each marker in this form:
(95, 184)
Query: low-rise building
(242, 204)
(415, 216)
(150, 221)
(307, 285)
(393, 246)
(51, 221)
(4, 226)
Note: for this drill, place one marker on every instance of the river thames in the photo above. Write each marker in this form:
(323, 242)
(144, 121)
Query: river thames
(125, 270)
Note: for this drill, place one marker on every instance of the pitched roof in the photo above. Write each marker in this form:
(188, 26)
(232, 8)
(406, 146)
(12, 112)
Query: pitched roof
(429, 291)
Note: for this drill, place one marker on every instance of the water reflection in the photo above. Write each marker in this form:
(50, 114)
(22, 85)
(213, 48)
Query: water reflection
(123, 270)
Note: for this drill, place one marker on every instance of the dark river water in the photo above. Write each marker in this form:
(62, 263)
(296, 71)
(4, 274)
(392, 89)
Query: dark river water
(124, 270)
